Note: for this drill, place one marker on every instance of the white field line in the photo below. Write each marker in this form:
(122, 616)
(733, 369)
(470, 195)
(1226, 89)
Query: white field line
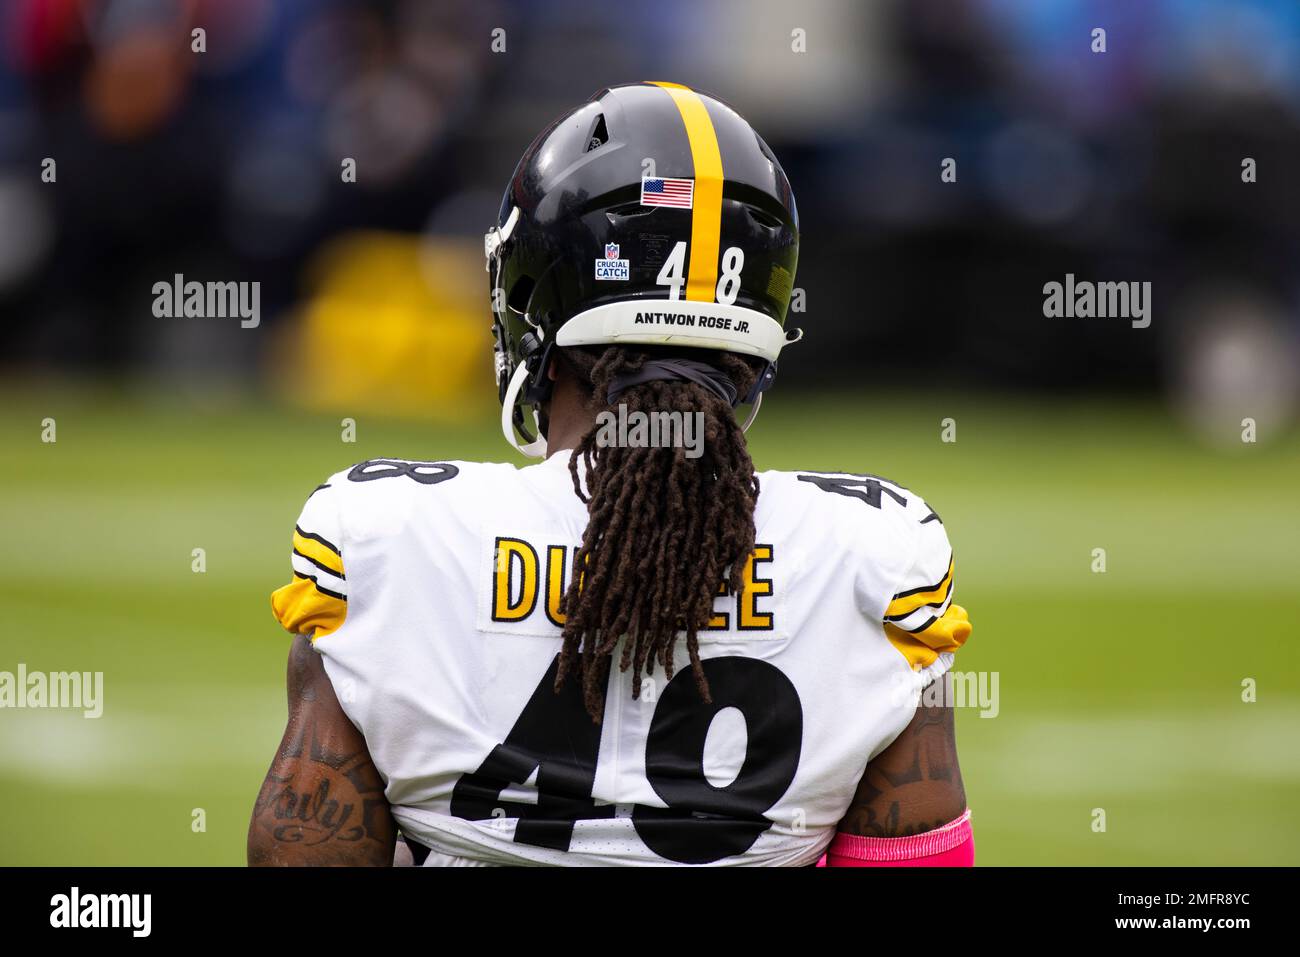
(1058, 754)
(193, 734)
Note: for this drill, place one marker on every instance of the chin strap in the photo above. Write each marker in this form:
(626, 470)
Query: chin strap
(535, 449)
(753, 413)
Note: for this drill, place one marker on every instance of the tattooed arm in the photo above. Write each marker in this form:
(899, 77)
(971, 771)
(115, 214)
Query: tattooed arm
(323, 801)
(914, 785)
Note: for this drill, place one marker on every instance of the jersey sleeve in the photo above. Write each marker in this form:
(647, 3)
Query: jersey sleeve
(921, 620)
(315, 602)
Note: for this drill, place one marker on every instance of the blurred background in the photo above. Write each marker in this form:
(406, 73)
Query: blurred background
(922, 301)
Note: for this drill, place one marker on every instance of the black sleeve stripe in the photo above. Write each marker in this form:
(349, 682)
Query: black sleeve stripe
(323, 591)
(316, 538)
(913, 631)
(932, 517)
(947, 593)
(319, 488)
(323, 567)
(917, 591)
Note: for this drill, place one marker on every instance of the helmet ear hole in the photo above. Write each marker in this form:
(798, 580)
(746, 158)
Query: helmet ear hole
(620, 215)
(599, 135)
(764, 219)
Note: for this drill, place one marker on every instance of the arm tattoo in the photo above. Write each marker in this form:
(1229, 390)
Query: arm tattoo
(323, 800)
(912, 786)
(340, 800)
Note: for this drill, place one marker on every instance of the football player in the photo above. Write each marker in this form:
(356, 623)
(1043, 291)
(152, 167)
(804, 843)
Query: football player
(630, 653)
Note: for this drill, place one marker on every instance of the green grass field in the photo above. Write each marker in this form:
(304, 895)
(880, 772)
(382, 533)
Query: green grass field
(1119, 691)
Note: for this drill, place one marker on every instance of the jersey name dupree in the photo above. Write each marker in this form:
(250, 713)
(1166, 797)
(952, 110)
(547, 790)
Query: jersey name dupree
(432, 591)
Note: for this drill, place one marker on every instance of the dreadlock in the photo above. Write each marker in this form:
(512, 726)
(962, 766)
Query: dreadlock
(663, 530)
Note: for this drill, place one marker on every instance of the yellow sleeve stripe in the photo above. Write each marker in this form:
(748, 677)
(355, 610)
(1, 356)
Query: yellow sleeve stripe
(922, 649)
(318, 551)
(906, 602)
(302, 609)
(706, 207)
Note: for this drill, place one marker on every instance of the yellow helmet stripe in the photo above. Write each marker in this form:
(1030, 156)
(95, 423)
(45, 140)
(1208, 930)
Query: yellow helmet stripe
(706, 209)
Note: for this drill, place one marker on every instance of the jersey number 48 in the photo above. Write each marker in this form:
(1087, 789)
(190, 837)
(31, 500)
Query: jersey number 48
(701, 823)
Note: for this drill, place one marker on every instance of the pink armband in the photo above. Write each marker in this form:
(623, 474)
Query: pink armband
(952, 845)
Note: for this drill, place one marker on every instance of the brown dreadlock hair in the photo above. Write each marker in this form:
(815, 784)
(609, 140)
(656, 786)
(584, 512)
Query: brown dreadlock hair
(662, 529)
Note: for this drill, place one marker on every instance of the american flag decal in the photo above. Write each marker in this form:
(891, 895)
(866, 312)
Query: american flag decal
(658, 191)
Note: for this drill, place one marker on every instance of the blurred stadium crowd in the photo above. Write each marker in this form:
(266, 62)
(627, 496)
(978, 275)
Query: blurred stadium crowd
(225, 165)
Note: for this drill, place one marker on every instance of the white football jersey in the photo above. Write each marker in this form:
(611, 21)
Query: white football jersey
(432, 592)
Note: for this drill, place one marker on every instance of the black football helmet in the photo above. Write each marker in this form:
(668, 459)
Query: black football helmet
(651, 214)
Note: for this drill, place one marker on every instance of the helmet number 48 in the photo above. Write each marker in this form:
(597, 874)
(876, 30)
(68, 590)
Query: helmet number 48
(673, 273)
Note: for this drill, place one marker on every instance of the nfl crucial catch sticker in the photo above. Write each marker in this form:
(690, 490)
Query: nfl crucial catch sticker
(611, 267)
(658, 191)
